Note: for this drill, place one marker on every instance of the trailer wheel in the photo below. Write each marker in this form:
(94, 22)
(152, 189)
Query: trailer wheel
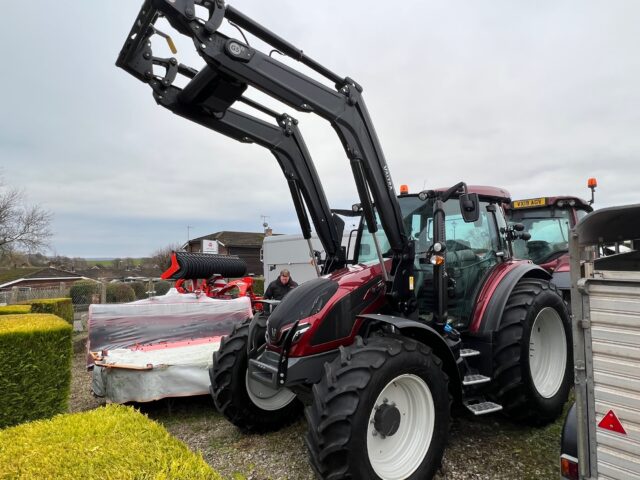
(381, 411)
(249, 405)
(533, 353)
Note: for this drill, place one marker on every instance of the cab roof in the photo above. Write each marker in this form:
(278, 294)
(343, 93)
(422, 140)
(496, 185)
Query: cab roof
(485, 192)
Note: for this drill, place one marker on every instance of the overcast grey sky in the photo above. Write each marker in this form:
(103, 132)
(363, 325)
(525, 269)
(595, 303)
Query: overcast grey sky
(532, 96)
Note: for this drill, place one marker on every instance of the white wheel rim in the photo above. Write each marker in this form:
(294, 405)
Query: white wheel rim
(398, 456)
(547, 352)
(268, 398)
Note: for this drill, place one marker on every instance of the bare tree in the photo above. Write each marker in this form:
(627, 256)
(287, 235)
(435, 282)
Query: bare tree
(162, 256)
(22, 226)
(13, 259)
(128, 263)
(79, 263)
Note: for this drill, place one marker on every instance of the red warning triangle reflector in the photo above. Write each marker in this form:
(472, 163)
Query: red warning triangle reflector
(610, 422)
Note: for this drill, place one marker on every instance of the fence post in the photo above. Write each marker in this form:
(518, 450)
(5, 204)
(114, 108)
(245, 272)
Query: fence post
(14, 295)
(103, 292)
(150, 291)
(62, 289)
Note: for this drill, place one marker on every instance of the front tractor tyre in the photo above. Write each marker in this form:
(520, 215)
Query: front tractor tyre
(248, 404)
(381, 411)
(533, 353)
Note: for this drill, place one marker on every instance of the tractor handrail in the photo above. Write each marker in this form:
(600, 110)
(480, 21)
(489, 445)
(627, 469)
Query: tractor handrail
(237, 65)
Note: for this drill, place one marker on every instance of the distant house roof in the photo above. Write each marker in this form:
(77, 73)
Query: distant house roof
(15, 275)
(110, 273)
(234, 239)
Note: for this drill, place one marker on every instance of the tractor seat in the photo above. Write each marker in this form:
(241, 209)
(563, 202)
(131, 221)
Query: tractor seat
(461, 258)
(457, 245)
(457, 261)
(539, 250)
(466, 269)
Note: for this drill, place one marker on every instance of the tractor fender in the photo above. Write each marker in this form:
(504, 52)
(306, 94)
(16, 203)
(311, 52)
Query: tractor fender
(257, 329)
(426, 335)
(497, 290)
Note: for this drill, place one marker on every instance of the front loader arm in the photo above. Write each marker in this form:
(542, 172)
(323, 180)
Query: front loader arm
(235, 65)
(287, 145)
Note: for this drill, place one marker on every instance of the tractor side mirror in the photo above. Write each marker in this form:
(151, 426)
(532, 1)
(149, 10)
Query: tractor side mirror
(470, 207)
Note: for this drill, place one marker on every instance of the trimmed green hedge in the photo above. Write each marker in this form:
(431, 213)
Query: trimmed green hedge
(139, 289)
(15, 309)
(83, 291)
(62, 307)
(120, 293)
(114, 442)
(161, 287)
(35, 367)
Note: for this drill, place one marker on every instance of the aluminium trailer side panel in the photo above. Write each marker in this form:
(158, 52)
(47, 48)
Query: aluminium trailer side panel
(605, 299)
(612, 308)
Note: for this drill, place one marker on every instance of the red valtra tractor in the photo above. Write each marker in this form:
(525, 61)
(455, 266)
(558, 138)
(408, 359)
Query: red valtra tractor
(432, 308)
(549, 220)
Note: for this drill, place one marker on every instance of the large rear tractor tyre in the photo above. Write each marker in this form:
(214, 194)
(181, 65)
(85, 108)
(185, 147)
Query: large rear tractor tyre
(532, 357)
(380, 412)
(248, 404)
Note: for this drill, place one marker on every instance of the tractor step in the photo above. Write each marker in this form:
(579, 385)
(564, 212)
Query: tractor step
(483, 408)
(475, 379)
(468, 352)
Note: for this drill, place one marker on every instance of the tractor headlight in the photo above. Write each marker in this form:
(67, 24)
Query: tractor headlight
(300, 331)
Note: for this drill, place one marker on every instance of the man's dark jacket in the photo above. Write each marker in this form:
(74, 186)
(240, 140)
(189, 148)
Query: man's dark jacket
(276, 290)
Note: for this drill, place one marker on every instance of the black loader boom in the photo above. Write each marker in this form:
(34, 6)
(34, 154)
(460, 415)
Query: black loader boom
(284, 140)
(287, 145)
(233, 65)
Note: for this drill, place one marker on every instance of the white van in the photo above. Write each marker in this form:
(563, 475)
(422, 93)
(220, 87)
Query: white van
(292, 252)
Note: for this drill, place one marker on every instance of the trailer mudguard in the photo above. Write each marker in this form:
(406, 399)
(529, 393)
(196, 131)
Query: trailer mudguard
(445, 349)
(569, 438)
(488, 321)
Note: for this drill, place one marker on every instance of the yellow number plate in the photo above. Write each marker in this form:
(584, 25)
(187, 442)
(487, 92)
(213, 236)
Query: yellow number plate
(531, 202)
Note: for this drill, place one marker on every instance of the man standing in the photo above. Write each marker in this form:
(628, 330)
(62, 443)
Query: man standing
(280, 286)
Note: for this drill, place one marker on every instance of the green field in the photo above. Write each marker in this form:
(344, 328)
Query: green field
(110, 263)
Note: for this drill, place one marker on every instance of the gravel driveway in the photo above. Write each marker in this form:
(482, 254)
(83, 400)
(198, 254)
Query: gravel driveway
(479, 448)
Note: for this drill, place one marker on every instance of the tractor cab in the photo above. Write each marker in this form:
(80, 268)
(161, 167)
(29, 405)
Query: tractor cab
(471, 249)
(548, 221)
